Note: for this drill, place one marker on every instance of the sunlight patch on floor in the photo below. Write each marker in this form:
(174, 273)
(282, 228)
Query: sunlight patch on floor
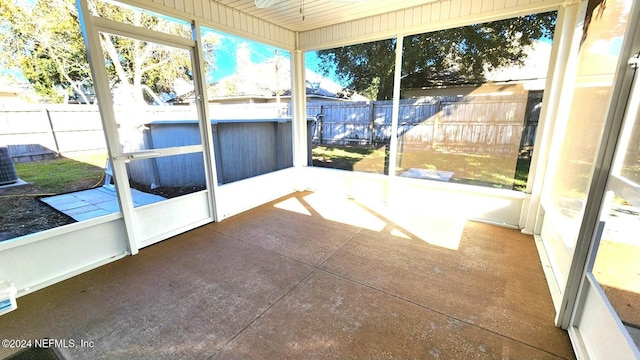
(408, 220)
(343, 210)
(438, 223)
(294, 205)
(399, 233)
(437, 226)
(442, 229)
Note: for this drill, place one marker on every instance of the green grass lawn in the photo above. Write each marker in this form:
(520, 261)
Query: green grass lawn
(355, 158)
(21, 213)
(482, 170)
(61, 175)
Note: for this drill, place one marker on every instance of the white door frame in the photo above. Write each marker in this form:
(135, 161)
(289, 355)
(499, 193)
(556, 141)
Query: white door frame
(565, 297)
(595, 327)
(91, 27)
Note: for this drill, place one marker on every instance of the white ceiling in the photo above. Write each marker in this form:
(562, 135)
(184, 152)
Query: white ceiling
(318, 13)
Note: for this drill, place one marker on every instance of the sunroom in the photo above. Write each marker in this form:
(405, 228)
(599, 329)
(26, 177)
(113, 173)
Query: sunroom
(421, 181)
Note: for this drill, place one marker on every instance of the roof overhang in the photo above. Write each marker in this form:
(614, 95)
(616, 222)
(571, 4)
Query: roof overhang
(329, 23)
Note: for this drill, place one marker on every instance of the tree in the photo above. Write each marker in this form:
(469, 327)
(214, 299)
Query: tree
(44, 41)
(135, 64)
(464, 52)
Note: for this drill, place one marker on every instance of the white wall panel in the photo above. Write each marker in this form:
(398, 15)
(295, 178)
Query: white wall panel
(206, 10)
(429, 17)
(368, 23)
(597, 330)
(384, 22)
(417, 16)
(226, 15)
(242, 195)
(475, 7)
(487, 5)
(466, 10)
(179, 4)
(215, 12)
(391, 22)
(237, 19)
(197, 8)
(445, 9)
(495, 206)
(455, 8)
(399, 17)
(223, 18)
(34, 261)
(161, 220)
(428, 12)
(188, 7)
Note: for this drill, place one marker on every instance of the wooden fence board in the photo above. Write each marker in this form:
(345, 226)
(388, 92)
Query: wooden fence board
(506, 123)
(481, 124)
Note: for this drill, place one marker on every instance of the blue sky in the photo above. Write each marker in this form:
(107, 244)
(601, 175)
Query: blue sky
(225, 55)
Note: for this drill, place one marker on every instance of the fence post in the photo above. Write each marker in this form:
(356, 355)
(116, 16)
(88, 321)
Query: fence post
(372, 113)
(215, 137)
(320, 124)
(436, 124)
(530, 123)
(278, 140)
(53, 133)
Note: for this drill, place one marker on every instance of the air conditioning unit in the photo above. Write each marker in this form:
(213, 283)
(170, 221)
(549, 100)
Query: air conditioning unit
(8, 173)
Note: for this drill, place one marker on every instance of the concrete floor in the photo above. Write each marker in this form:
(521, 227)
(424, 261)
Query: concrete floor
(283, 281)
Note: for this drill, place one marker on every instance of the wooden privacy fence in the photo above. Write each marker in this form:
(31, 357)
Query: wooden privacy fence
(35, 131)
(478, 124)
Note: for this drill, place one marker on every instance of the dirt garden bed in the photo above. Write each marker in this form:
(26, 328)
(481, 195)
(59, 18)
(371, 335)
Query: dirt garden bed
(22, 212)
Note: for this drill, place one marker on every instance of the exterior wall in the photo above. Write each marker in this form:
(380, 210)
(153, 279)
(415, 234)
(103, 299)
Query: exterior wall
(222, 17)
(38, 260)
(429, 17)
(496, 206)
(242, 195)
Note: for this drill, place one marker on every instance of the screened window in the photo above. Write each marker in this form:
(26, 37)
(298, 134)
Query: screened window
(249, 99)
(349, 91)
